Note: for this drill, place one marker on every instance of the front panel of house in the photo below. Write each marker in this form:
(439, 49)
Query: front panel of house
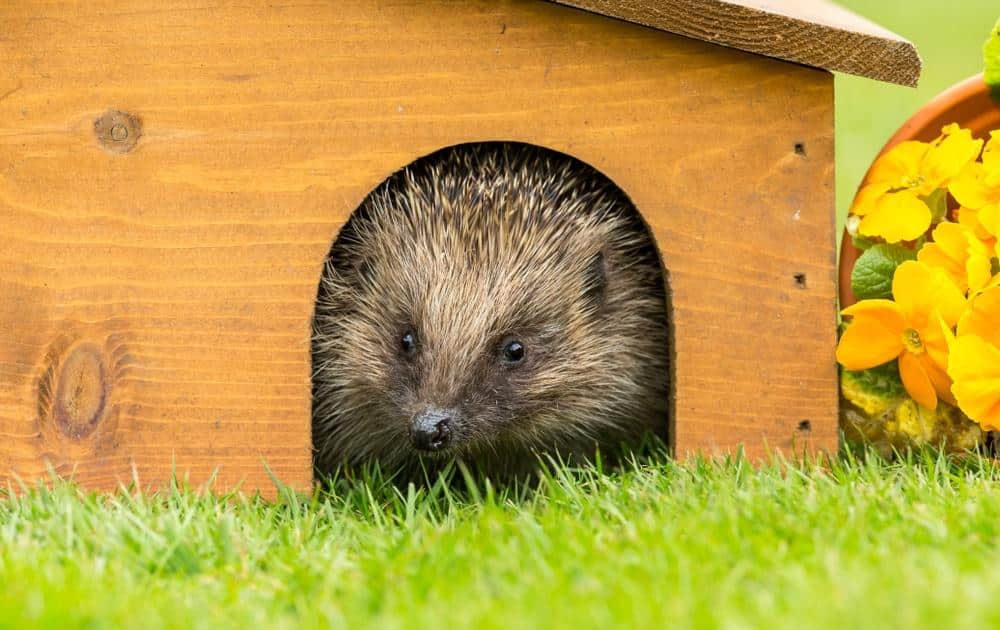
(172, 177)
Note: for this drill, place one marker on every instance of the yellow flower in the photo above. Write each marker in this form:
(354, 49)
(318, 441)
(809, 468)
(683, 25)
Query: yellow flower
(982, 316)
(907, 329)
(970, 219)
(974, 360)
(959, 252)
(977, 187)
(891, 204)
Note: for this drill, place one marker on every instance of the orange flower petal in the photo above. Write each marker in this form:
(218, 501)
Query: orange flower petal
(979, 265)
(938, 377)
(982, 317)
(935, 338)
(991, 152)
(948, 156)
(974, 365)
(886, 309)
(969, 187)
(897, 216)
(900, 163)
(951, 236)
(970, 219)
(934, 255)
(874, 337)
(989, 217)
(958, 252)
(946, 332)
(918, 385)
(864, 201)
(949, 252)
(920, 290)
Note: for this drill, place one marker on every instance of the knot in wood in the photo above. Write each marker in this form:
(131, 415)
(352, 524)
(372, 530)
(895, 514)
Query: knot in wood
(82, 390)
(118, 131)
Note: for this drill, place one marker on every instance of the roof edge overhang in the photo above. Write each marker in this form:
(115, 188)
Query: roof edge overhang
(815, 33)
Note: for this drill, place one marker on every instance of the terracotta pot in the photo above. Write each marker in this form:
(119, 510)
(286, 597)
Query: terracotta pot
(967, 103)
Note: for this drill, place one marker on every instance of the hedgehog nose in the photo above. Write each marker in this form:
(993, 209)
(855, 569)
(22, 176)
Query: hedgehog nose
(431, 429)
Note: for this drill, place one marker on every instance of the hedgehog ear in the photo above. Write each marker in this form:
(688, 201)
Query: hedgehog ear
(595, 281)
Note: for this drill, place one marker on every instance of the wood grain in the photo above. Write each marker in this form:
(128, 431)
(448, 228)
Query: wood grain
(812, 32)
(155, 301)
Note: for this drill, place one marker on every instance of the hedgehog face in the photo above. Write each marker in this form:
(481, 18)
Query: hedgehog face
(473, 366)
(435, 428)
(475, 354)
(494, 302)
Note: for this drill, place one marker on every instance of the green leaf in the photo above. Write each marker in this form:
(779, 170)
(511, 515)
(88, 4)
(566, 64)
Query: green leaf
(882, 381)
(872, 274)
(991, 57)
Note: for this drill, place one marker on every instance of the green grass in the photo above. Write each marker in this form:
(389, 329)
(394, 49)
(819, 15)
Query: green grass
(862, 544)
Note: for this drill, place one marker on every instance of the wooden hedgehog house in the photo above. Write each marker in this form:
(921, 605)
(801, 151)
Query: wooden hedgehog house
(172, 177)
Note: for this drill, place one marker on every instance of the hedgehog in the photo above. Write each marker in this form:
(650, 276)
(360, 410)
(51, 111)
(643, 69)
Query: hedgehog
(493, 303)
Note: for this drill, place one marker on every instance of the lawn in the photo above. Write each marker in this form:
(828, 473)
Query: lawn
(860, 543)
(904, 545)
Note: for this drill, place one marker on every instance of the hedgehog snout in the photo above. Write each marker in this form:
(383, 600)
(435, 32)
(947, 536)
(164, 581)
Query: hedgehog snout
(431, 428)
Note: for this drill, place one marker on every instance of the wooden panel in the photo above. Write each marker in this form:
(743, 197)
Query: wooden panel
(814, 32)
(155, 299)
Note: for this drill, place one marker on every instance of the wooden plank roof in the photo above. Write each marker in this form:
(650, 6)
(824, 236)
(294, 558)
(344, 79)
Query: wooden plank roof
(811, 32)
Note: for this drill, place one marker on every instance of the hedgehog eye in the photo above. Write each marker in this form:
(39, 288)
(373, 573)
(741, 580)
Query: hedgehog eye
(513, 352)
(408, 343)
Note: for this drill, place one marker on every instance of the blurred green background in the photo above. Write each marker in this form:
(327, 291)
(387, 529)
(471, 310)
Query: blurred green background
(949, 36)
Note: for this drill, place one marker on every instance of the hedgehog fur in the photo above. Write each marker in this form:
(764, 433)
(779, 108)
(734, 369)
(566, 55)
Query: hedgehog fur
(489, 302)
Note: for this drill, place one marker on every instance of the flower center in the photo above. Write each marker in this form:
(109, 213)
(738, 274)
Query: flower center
(913, 181)
(912, 341)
